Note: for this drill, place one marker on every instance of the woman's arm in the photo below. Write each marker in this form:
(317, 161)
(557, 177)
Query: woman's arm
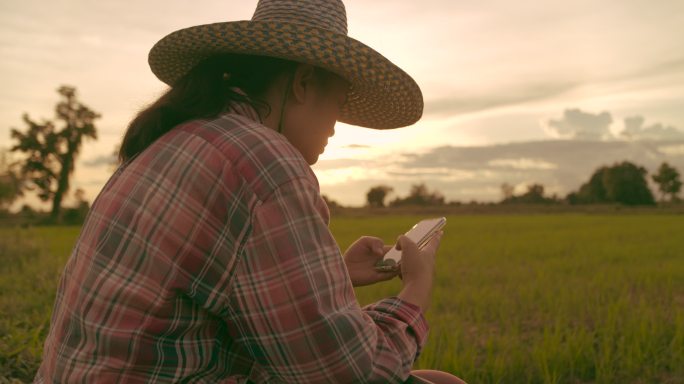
(292, 306)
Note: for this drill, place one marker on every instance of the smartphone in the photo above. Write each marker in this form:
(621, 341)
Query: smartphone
(421, 234)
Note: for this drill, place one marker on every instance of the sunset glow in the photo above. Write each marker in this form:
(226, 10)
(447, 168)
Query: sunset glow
(500, 81)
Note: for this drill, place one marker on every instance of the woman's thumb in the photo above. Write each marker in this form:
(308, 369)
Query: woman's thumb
(398, 246)
(404, 243)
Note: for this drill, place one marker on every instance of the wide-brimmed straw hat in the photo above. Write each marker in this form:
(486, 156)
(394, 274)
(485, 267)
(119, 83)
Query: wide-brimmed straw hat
(381, 96)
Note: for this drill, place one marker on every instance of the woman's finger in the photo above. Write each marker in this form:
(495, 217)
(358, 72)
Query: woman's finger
(434, 242)
(374, 244)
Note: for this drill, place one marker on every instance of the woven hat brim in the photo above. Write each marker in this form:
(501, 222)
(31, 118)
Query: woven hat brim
(382, 96)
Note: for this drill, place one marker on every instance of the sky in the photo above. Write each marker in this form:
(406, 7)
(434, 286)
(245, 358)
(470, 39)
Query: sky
(518, 92)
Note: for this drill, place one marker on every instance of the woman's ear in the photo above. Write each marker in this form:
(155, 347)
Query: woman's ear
(303, 82)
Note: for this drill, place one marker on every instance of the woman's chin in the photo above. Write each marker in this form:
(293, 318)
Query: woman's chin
(312, 158)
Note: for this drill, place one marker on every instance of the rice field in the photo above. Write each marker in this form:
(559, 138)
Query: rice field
(545, 298)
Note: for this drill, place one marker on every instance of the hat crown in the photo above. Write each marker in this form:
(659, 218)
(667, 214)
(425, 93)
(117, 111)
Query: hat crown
(324, 14)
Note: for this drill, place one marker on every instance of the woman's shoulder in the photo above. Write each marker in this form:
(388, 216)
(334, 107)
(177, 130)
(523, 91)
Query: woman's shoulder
(264, 158)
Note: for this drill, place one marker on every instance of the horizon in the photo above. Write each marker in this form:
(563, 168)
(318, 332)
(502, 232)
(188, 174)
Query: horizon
(525, 93)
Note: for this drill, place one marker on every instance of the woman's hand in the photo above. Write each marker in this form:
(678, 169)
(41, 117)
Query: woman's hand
(418, 270)
(361, 257)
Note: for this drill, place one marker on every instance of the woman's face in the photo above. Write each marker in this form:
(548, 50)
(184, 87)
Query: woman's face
(311, 121)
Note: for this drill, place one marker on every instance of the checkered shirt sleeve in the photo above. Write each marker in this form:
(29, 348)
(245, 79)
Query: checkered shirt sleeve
(293, 308)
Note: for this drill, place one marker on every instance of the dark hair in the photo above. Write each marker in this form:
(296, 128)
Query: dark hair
(205, 93)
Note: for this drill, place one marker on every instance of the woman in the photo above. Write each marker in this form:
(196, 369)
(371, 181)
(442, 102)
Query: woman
(207, 256)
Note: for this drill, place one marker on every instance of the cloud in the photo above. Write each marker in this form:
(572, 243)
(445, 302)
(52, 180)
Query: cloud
(534, 91)
(476, 172)
(667, 67)
(522, 163)
(565, 164)
(340, 163)
(635, 130)
(672, 150)
(100, 161)
(579, 125)
(439, 173)
(576, 124)
(357, 146)
(475, 103)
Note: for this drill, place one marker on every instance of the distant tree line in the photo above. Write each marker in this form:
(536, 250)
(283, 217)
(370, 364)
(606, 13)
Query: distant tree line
(419, 195)
(622, 183)
(626, 183)
(533, 195)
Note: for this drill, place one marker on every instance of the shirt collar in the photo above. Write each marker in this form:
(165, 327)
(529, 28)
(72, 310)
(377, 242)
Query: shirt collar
(243, 108)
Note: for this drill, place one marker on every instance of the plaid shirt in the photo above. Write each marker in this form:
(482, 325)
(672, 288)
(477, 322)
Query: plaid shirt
(208, 258)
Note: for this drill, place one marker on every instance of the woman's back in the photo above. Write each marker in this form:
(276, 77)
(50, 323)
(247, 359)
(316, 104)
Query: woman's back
(204, 259)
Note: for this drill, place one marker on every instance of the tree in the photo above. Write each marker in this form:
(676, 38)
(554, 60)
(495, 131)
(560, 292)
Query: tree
(534, 195)
(10, 181)
(594, 190)
(623, 183)
(420, 195)
(626, 183)
(668, 181)
(76, 215)
(376, 195)
(507, 191)
(51, 152)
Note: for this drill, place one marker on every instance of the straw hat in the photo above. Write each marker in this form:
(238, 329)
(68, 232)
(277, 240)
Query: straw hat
(382, 96)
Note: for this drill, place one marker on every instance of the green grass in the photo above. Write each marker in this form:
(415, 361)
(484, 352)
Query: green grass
(557, 298)
(31, 261)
